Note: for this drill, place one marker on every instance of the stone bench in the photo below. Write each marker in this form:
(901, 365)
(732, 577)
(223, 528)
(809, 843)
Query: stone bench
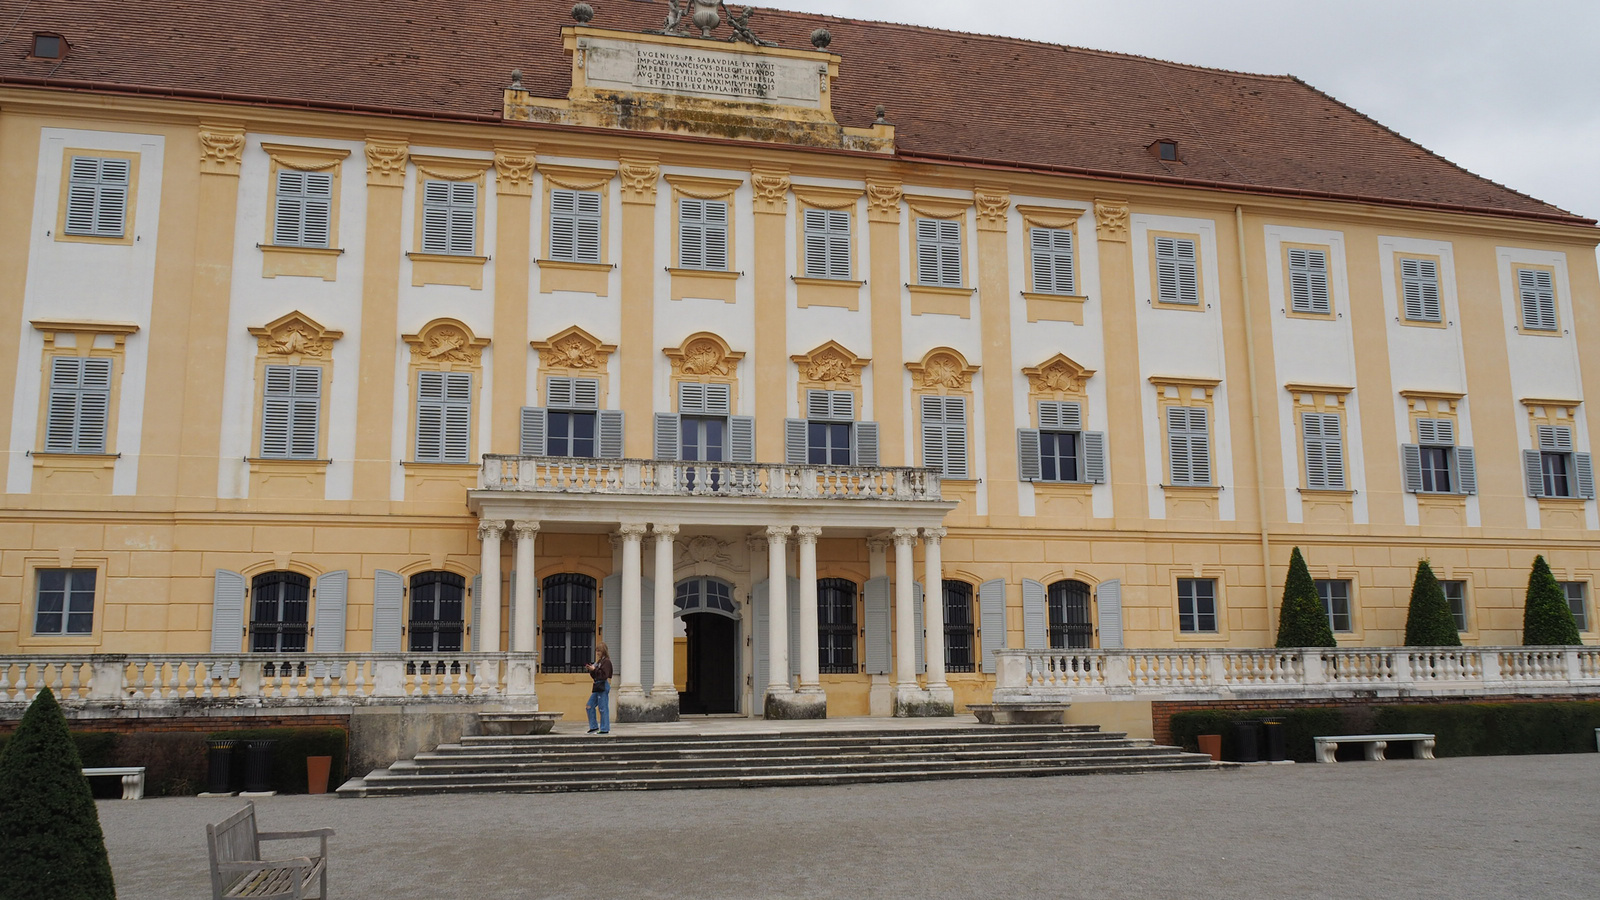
(132, 779)
(506, 724)
(1020, 713)
(1376, 744)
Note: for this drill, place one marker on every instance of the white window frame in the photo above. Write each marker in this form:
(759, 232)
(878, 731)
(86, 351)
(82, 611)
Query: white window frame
(78, 416)
(576, 219)
(1177, 271)
(97, 196)
(291, 411)
(450, 217)
(66, 612)
(303, 209)
(827, 243)
(1581, 614)
(1327, 597)
(1189, 622)
(1457, 604)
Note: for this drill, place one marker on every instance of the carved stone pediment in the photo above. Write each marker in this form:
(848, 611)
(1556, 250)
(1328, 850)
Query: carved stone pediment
(447, 341)
(295, 335)
(830, 365)
(703, 354)
(573, 349)
(1058, 374)
(942, 368)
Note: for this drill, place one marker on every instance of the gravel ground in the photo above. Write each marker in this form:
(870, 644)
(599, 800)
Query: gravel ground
(1495, 827)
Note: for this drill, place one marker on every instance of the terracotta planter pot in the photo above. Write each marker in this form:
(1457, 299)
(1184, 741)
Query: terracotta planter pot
(1211, 745)
(317, 774)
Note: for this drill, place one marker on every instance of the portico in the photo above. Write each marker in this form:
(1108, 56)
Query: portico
(774, 508)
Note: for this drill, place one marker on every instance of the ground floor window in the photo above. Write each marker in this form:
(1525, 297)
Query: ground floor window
(1197, 605)
(1576, 598)
(1455, 594)
(958, 629)
(1070, 625)
(64, 603)
(568, 622)
(1335, 594)
(836, 625)
(438, 601)
(280, 612)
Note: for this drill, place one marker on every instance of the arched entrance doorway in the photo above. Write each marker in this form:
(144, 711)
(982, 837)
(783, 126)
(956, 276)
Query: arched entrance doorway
(711, 660)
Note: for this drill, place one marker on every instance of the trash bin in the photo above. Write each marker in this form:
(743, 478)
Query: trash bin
(1247, 741)
(1274, 740)
(219, 766)
(258, 766)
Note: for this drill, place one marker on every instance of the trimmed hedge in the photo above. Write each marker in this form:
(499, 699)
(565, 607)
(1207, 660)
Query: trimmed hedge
(1300, 726)
(1498, 729)
(289, 756)
(1302, 622)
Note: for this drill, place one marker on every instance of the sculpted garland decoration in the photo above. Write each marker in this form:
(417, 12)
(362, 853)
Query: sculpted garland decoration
(221, 150)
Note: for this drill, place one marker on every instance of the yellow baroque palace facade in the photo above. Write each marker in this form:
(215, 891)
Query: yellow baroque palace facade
(728, 355)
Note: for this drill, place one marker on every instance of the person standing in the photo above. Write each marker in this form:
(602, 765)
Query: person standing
(600, 695)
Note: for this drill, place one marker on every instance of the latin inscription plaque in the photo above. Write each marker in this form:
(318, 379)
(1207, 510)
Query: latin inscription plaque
(709, 73)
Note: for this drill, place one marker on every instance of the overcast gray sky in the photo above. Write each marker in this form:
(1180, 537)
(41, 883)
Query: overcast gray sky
(1510, 91)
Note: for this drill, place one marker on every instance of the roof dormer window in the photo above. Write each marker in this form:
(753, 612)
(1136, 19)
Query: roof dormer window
(48, 46)
(1166, 151)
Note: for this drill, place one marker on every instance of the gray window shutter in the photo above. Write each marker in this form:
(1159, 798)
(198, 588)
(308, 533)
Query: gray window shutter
(933, 453)
(1177, 273)
(1419, 279)
(741, 439)
(563, 224)
(291, 407)
(944, 435)
(1324, 451)
(1411, 457)
(611, 613)
(792, 602)
(97, 196)
(436, 217)
(702, 234)
(227, 612)
(1533, 472)
(758, 640)
(1466, 471)
(691, 398)
(463, 218)
(827, 243)
(1028, 466)
(1189, 445)
(1584, 467)
(1538, 296)
(286, 218)
(865, 435)
(875, 599)
(794, 440)
(992, 619)
(1057, 415)
(647, 633)
(444, 416)
(667, 432)
(927, 251)
(919, 628)
(1555, 438)
(718, 399)
(558, 392)
(333, 593)
(610, 422)
(1308, 281)
(388, 617)
(1052, 260)
(1108, 597)
(477, 610)
(79, 405)
(535, 425)
(1035, 616)
(1094, 457)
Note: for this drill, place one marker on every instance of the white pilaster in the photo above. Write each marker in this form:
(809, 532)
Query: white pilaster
(665, 593)
(632, 534)
(810, 679)
(777, 609)
(524, 597)
(933, 605)
(489, 532)
(905, 623)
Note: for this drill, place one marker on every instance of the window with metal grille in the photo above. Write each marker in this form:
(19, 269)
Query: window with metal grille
(1537, 292)
(939, 252)
(836, 625)
(80, 403)
(279, 612)
(303, 210)
(438, 604)
(958, 627)
(291, 410)
(444, 417)
(575, 218)
(702, 234)
(1071, 627)
(944, 435)
(450, 217)
(1335, 596)
(1419, 289)
(1053, 266)
(1324, 451)
(1189, 445)
(1177, 271)
(1455, 594)
(97, 196)
(827, 239)
(568, 622)
(1197, 605)
(64, 601)
(1308, 282)
(1577, 600)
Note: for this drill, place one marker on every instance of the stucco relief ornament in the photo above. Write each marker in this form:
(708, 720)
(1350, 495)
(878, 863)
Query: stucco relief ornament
(829, 368)
(295, 342)
(704, 357)
(221, 151)
(447, 345)
(1111, 221)
(1060, 377)
(944, 371)
(574, 353)
(707, 549)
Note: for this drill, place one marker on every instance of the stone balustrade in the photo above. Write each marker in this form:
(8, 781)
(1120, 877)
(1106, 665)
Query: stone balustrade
(658, 478)
(1032, 676)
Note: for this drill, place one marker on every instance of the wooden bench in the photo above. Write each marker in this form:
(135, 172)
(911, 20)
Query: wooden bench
(237, 869)
(132, 779)
(1376, 744)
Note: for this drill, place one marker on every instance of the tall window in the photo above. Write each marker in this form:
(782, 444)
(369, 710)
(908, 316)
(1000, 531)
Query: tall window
(1537, 292)
(97, 196)
(444, 417)
(1335, 595)
(1177, 272)
(1059, 449)
(437, 604)
(568, 622)
(836, 624)
(1189, 445)
(829, 434)
(450, 217)
(1435, 465)
(1197, 605)
(304, 209)
(939, 252)
(291, 410)
(944, 435)
(80, 403)
(571, 424)
(1419, 289)
(702, 234)
(1455, 594)
(1556, 469)
(1324, 451)
(279, 612)
(575, 225)
(64, 602)
(1577, 599)
(827, 236)
(1070, 625)
(702, 430)
(1308, 281)
(1053, 267)
(958, 627)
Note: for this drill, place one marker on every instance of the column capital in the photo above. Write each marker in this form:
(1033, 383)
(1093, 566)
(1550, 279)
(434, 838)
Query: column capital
(771, 189)
(221, 148)
(883, 201)
(513, 170)
(992, 204)
(934, 535)
(491, 530)
(631, 531)
(905, 537)
(1111, 219)
(777, 534)
(525, 528)
(386, 161)
(878, 542)
(639, 177)
(808, 534)
(664, 532)
(755, 541)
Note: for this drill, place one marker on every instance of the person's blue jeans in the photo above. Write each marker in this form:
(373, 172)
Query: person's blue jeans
(602, 699)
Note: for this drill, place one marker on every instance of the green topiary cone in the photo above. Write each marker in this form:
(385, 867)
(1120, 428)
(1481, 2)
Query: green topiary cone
(1429, 622)
(1547, 619)
(49, 829)
(1302, 622)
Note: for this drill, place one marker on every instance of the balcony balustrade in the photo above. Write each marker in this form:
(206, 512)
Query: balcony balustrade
(663, 478)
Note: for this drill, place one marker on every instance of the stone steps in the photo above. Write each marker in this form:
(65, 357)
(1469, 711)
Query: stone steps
(766, 759)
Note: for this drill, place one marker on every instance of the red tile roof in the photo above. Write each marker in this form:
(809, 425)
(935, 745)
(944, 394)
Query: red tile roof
(960, 96)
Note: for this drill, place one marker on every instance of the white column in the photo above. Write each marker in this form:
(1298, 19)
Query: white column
(524, 597)
(489, 601)
(665, 594)
(809, 676)
(905, 623)
(777, 609)
(933, 604)
(631, 658)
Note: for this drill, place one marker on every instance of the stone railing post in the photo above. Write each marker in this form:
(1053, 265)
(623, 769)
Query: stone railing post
(250, 680)
(106, 676)
(1118, 674)
(1217, 669)
(389, 678)
(1574, 665)
(519, 679)
(1489, 664)
(1010, 674)
(1312, 672)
